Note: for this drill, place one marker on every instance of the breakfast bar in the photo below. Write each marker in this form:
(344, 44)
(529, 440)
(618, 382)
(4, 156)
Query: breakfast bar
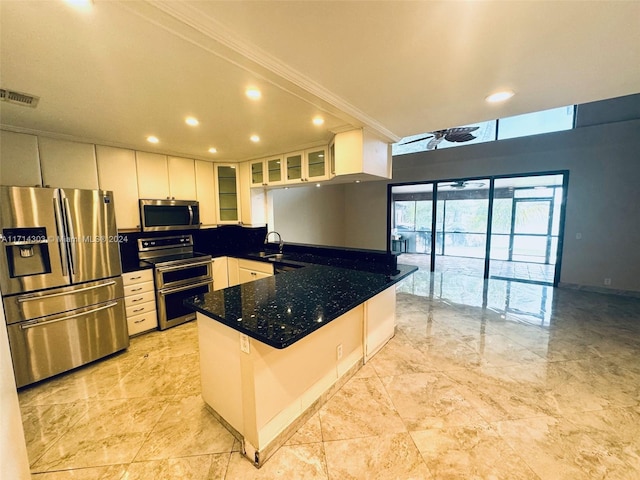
(272, 351)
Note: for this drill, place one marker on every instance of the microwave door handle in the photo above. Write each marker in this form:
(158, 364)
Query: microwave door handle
(72, 236)
(190, 208)
(62, 244)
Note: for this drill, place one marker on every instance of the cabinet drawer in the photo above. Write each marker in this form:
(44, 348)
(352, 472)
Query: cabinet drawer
(138, 288)
(142, 322)
(145, 297)
(256, 266)
(138, 276)
(141, 308)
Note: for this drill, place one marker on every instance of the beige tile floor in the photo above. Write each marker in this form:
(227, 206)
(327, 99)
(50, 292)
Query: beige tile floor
(470, 387)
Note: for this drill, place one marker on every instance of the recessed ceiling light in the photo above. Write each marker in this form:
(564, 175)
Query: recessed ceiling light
(152, 139)
(191, 121)
(80, 4)
(500, 96)
(317, 184)
(254, 138)
(318, 121)
(213, 150)
(253, 93)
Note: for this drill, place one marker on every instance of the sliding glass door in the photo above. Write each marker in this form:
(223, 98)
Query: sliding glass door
(506, 227)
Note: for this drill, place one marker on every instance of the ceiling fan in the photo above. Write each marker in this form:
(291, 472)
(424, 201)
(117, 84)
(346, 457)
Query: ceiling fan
(456, 134)
(460, 184)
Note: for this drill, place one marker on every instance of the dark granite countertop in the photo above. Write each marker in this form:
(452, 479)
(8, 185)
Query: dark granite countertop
(282, 309)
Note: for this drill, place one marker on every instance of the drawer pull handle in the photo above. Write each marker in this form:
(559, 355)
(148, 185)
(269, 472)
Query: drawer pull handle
(140, 321)
(136, 278)
(136, 289)
(137, 299)
(139, 310)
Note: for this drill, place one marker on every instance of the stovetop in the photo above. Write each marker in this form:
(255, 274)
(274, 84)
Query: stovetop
(181, 258)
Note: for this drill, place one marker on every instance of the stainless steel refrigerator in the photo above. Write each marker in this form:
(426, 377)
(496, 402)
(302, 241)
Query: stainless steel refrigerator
(60, 277)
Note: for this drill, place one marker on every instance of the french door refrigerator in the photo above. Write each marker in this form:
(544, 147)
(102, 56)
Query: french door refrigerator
(60, 278)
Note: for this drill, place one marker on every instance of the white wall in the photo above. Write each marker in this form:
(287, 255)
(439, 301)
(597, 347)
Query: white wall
(14, 463)
(603, 196)
(313, 215)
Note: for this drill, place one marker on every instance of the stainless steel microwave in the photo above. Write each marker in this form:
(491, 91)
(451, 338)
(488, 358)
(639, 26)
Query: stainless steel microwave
(162, 215)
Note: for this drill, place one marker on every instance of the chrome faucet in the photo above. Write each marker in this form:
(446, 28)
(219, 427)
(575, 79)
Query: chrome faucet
(281, 243)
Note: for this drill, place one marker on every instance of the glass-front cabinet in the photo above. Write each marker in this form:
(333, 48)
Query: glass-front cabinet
(317, 164)
(311, 165)
(293, 167)
(275, 175)
(227, 184)
(267, 171)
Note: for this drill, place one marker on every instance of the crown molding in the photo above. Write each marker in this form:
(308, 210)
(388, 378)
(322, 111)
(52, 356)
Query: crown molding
(192, 24)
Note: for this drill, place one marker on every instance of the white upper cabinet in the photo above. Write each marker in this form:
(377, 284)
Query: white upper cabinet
(68, 164)
(153, 175)
(205, 192)
(19, 160)
(358, 152)
(253, 201)
(316, 163)
(182, 178)
(293, 168)
(227, 193)
(117, 172)
(267, 171)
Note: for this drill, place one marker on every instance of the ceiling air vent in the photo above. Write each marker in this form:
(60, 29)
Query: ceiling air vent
(19, 98)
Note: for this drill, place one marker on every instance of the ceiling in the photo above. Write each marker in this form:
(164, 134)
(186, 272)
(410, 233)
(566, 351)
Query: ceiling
(120, 71)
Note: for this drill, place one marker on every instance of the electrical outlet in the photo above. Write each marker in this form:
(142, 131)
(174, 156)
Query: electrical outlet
(244, 343)
(578, 236)
(607, 281)
(339, 351)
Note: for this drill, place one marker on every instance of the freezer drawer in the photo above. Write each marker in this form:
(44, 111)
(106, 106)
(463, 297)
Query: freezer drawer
(51, 345)
(19, 308)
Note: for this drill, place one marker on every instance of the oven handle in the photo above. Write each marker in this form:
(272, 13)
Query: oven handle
(167, 291)
(182, 266)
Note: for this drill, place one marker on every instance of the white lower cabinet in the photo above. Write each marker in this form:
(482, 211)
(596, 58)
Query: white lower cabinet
(243, 271)
(220, 273)
(140, 301)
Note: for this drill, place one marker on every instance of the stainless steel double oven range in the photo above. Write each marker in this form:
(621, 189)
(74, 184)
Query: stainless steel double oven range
(180, 272)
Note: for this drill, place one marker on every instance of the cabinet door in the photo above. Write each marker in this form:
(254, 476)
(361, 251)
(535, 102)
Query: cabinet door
(19, 160)
(153, 175)
(220, 273)
(275, 170)
(317, 164)
(245, 275)
(205, 192)
(228, 187)
(257, 173)
(68, 164)
(182, 178)
(293, 167)
(117, 172)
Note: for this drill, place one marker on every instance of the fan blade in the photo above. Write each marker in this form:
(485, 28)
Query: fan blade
(416, 140)
(434, 142)
(459, 137)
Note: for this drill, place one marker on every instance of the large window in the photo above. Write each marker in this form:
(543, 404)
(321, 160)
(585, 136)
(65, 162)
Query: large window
(546, 121)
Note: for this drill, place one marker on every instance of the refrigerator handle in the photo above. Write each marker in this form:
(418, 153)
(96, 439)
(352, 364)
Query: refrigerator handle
(62, 239)
(72, 236)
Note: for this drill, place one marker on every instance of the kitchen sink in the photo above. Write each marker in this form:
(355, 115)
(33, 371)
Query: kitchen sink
(271, 256)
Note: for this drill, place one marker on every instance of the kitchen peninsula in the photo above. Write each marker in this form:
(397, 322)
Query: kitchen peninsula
(272, 351)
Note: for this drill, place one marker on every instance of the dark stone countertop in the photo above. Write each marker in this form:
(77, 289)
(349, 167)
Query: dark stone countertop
(282, 309)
